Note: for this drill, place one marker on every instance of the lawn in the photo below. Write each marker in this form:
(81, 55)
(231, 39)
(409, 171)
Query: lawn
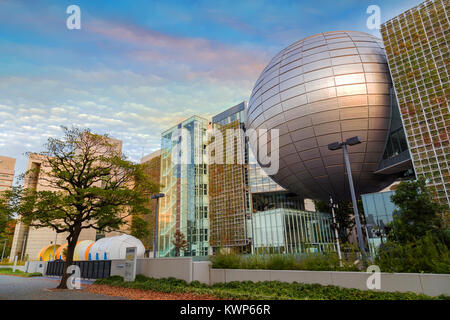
(9, 272)
(268, 290)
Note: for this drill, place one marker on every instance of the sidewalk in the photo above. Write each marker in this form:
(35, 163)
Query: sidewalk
(43, 288)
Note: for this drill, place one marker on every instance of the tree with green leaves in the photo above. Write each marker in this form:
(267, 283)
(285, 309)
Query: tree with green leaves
(418, 238)
(88, 184)
(7, 224)
(179, 242)
(4, 219)
(418, 213)
(344, 216)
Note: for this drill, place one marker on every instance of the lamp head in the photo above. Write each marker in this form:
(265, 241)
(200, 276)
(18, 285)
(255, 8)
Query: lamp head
(353, 140)
(335, 146)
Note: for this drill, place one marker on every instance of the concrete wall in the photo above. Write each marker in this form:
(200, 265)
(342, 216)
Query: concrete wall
(36, 266)
(180, 268)
(429, 284)
(201, 271)
(186, 269)
(118, 268)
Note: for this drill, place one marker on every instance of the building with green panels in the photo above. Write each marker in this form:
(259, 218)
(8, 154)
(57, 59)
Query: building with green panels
(184, 181)
(248, 211)
(229, 199)
(417, 49)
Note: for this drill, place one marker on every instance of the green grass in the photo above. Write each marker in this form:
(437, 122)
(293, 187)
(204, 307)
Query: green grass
(268, 290)
(9, 271)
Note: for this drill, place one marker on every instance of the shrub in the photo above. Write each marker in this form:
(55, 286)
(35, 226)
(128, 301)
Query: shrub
(254, 262)
(226, 261)
(261, 290)
(428, 255)
(312, 261)
(326, 262)
(281, 262)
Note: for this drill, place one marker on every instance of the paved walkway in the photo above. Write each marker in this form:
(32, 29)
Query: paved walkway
(40, 288)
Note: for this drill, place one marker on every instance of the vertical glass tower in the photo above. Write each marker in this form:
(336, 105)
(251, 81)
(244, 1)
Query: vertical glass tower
(417, 49)
(184, 181)
(229, 199)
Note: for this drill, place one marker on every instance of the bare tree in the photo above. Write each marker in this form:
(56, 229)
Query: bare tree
(179, 242)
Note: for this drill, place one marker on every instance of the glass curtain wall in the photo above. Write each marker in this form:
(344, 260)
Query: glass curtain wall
(184, 177)
(279, 225)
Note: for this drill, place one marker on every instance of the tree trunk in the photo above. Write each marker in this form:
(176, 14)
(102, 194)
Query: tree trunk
(71, 243)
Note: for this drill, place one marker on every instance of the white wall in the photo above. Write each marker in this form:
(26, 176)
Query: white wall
(36, 266)
(180, 268)
(201, 271)
(429, 284)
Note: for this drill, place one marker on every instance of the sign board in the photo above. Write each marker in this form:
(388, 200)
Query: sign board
(130, 264)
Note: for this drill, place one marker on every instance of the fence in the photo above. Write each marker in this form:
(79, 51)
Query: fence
(89, 269)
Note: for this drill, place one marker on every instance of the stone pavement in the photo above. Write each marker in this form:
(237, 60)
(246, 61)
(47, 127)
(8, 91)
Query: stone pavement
(40, 288)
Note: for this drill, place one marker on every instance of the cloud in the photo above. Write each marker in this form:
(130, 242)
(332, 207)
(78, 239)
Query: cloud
(188, 57)
(124, 104)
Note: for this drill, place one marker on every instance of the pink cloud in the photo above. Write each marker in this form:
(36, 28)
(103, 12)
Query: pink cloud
(198, 56)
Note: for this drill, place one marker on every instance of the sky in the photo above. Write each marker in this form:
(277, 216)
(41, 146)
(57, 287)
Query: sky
(136, 68)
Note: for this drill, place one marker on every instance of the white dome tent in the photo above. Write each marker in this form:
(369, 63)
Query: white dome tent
(81, 248)
(115, 247)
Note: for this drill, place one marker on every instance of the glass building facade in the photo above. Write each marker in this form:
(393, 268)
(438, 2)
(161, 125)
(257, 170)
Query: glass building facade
(259, 181)
(229, 199)
(396, 156)
(184, 181)
(396, 143)
(279, 223)
(417, 49)
(285, 230)
(379, 211)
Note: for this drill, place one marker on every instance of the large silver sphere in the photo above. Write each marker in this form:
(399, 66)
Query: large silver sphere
(319, 90)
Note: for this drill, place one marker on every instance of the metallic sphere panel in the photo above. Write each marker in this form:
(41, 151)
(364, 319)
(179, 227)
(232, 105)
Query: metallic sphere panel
(319, 90)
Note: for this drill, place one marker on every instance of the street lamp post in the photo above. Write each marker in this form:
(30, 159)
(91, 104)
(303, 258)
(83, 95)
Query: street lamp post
(155, 238)
(343, 145)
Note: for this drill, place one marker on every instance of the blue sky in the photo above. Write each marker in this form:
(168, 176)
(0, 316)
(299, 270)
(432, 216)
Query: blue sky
(138, 67)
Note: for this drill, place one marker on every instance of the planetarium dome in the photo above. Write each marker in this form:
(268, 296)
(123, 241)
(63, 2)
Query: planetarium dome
(319, 90)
